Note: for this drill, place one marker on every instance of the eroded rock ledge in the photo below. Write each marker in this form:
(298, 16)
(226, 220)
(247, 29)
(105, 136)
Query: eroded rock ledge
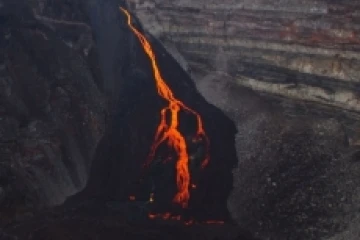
(303, 55)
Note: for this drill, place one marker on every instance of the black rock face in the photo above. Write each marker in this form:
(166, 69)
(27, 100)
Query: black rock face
(118, 164)
(52, 114)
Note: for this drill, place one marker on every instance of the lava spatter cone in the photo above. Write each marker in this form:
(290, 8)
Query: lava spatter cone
(165, 139)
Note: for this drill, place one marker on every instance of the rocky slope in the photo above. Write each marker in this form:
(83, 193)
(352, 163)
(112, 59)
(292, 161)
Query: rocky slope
(303, 55)
(296, 178)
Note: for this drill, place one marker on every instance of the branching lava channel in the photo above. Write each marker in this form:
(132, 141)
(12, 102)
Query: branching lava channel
(168, 132)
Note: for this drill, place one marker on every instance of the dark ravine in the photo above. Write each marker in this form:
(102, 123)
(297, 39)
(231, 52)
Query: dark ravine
(298, 158)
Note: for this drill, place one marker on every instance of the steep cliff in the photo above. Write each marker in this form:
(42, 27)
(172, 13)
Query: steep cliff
(302, 55)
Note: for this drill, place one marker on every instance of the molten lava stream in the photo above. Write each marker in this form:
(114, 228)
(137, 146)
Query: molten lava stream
(169, 132)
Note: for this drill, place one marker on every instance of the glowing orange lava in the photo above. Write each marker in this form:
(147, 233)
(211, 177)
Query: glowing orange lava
(168, 132)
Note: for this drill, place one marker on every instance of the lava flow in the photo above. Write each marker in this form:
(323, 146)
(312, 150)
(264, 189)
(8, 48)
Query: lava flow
(168, 132)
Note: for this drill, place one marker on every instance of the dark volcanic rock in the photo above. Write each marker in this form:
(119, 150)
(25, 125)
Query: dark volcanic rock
(51, 116)
(124, 148)
(101, 223)
(60, 102)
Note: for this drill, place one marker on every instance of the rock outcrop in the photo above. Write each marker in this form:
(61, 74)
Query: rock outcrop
(118, 166)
